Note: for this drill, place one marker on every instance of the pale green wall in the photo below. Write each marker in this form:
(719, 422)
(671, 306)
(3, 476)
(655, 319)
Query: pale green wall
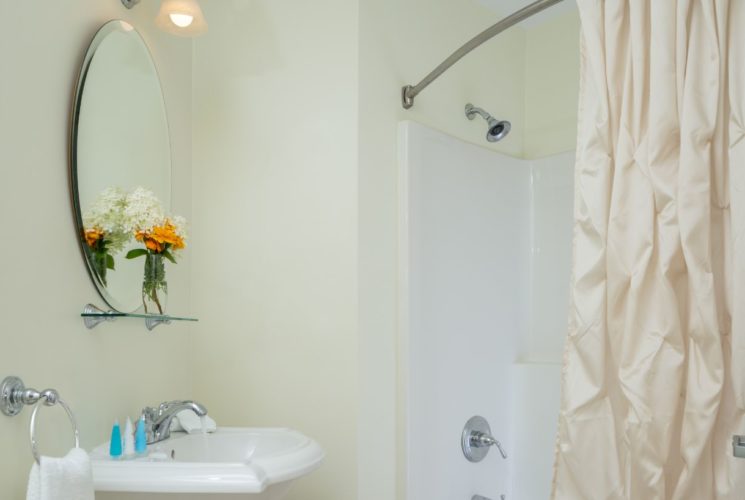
(275, 225)
(551, 86)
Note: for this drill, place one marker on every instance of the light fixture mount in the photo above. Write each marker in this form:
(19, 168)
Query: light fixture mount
(130, 3)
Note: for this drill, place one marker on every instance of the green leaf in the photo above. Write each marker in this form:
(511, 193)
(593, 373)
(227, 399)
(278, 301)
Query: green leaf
(136, 252)
(110, 262)
(168, 255)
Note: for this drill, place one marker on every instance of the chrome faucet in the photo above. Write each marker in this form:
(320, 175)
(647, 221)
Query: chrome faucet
(158, 421)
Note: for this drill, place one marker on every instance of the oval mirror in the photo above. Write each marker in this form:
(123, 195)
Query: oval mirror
(119, 142)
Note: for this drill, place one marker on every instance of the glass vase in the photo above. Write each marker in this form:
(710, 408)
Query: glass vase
(100, 263)
(154, 285)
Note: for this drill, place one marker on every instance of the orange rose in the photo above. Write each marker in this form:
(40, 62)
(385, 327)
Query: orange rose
(160, 236)
(92, 236)
(153, 245)
(167, 234)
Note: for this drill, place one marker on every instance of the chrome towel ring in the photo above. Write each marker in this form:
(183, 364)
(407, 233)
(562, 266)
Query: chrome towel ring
(14, 396)
(51, 398)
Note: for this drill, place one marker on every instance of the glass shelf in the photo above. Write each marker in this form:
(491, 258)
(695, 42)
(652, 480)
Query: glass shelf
(93, 316)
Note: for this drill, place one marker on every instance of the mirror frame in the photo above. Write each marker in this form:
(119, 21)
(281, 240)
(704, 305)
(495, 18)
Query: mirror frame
(109, 27)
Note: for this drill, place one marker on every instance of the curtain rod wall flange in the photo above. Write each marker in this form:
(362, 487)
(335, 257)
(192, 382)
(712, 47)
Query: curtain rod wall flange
(409, 92)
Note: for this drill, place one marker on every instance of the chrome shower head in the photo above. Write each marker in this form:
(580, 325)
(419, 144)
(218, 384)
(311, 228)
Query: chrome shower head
(498, 129)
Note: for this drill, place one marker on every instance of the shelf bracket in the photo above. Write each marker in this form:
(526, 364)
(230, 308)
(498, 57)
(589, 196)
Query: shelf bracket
(93, 321)
(151, 323)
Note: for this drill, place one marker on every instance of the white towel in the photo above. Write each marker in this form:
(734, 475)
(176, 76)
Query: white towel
(189, 422)
(67, 478)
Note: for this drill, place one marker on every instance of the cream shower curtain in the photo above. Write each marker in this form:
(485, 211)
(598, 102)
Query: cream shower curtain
(654, 368)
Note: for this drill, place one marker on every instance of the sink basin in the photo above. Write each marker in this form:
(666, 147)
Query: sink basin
(258, 462)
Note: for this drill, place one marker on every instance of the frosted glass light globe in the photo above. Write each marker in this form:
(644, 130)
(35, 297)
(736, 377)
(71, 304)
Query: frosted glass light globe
(181, 20)
(181, 17)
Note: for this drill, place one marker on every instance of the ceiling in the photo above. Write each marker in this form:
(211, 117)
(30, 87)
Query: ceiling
(504, 8)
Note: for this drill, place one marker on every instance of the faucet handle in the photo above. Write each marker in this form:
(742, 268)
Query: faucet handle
(476, 440)
(166, 405)
(484, 439)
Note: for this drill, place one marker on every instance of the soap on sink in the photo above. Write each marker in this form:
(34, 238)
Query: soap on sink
(141, 437)
(129, 439)
(115, 447)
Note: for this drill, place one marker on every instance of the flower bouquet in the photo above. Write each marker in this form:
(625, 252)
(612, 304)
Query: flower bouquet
(161, 235)
(104, 231)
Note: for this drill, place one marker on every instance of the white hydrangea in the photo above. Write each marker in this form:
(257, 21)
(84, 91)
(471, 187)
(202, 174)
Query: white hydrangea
(142, 211)
(107, 210)
(181, 226)
(106, 214)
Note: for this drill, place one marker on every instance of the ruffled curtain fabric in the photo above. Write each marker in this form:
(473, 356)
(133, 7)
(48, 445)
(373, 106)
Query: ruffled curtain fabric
(654, 367)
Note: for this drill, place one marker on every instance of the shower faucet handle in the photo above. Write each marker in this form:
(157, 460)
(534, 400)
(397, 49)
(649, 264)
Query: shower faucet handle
(476, 440)
(482, 439)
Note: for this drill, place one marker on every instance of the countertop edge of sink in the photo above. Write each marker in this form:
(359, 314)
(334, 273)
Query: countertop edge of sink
(253, 477)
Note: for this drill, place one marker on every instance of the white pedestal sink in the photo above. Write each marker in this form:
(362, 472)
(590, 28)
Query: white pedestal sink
(257, 464)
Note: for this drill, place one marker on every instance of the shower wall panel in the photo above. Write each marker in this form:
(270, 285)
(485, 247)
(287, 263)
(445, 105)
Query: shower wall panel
(471, 281)
(551, 248)
(537, 374)
(466, 259)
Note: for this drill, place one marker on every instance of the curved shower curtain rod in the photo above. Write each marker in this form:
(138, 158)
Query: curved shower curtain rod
(409, 92)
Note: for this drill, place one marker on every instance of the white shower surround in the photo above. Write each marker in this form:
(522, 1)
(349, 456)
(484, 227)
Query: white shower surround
(485, 256)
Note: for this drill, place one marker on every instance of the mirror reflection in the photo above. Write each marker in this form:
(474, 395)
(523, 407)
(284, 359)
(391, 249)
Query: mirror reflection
(121, 170)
